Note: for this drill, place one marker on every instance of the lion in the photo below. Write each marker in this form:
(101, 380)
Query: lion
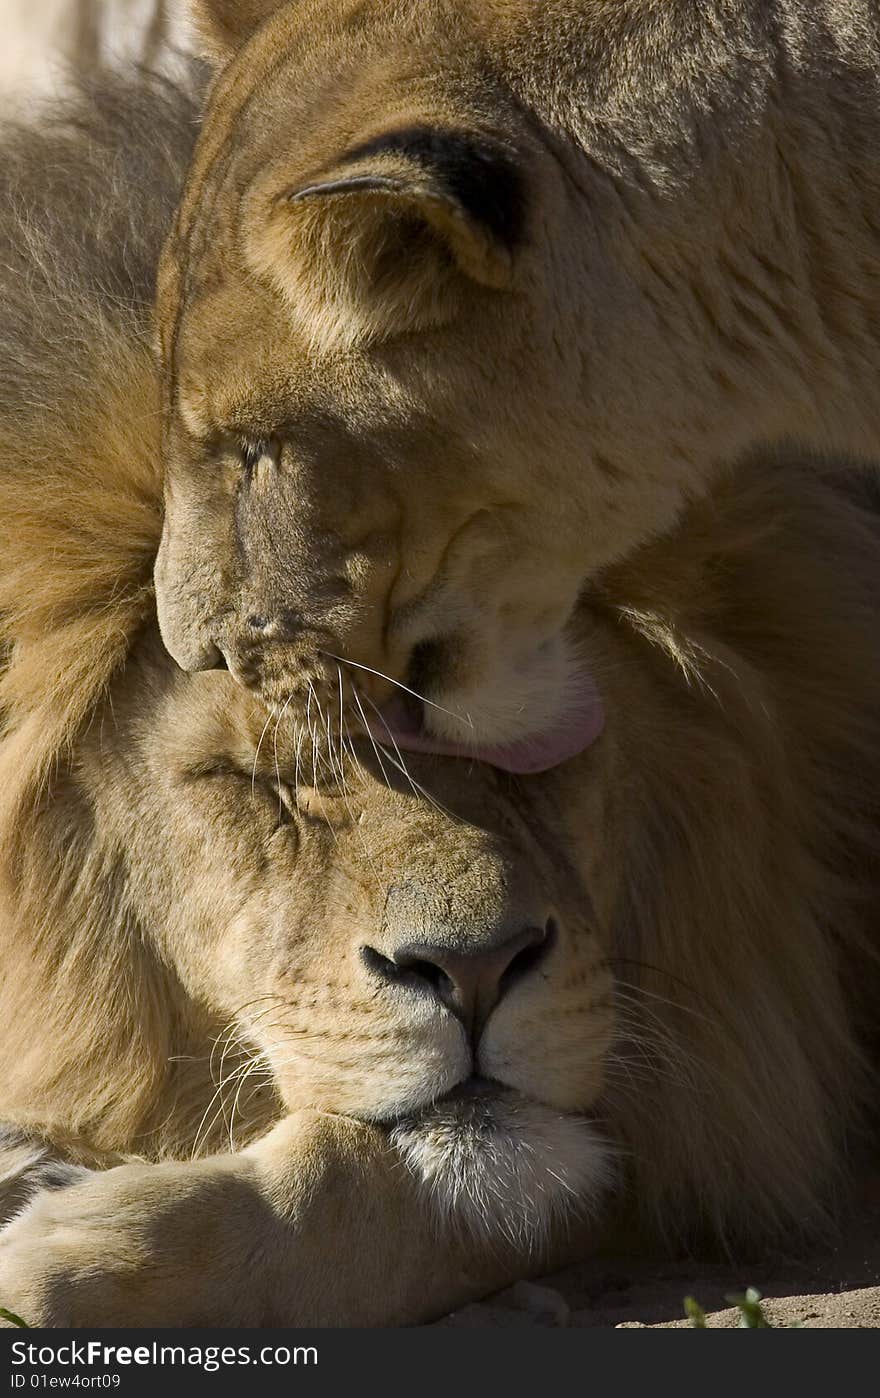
(466, 300)
(301, 1028)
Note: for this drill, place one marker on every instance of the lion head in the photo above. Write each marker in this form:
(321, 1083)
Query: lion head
(409, 942)
(444, 333)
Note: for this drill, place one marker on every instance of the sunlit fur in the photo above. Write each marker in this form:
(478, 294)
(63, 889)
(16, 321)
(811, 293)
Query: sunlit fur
(185, 901)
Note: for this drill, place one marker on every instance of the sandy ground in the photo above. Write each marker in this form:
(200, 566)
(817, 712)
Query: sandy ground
(836, 1287)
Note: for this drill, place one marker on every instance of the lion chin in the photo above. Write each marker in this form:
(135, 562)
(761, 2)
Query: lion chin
(504, 1168)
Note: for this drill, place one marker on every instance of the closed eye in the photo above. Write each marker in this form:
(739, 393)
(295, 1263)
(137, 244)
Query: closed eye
(253, 452)
(287, 806)
(277, 795)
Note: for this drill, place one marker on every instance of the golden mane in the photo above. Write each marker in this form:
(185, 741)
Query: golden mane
(80, 517)
(80, 496)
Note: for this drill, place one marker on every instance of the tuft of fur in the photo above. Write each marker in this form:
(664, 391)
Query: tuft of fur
(27, 1166)
(506, 1170)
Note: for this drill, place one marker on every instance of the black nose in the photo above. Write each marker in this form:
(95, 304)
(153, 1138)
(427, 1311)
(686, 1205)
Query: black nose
(469, 982)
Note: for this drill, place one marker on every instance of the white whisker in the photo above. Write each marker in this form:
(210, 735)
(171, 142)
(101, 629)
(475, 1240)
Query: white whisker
(257, 753)
(399, 685)
(368, 731)
(418, 789)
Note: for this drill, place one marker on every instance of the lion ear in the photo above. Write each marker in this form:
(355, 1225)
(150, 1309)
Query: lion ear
(222, 26)
(386, 238)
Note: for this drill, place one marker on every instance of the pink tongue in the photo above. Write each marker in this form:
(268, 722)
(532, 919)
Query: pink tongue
(577, 727)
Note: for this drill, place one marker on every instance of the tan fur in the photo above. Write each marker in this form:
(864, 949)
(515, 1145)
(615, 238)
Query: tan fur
(502, 285)
(188, 887)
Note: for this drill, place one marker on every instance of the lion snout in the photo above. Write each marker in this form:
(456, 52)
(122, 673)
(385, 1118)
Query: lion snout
(468, 975)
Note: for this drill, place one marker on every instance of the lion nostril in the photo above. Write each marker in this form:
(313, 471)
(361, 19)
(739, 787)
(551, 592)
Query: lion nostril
(431, 974)
(406, 971)
(379, 965)
(528, 959)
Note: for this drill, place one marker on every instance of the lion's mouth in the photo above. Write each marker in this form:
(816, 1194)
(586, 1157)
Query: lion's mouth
(579, 723)
(471, 1089)
(475, 1086)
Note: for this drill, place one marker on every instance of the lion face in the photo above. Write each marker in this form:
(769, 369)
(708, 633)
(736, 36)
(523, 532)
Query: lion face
(418, 388)
(391, 545)
(416, 951)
